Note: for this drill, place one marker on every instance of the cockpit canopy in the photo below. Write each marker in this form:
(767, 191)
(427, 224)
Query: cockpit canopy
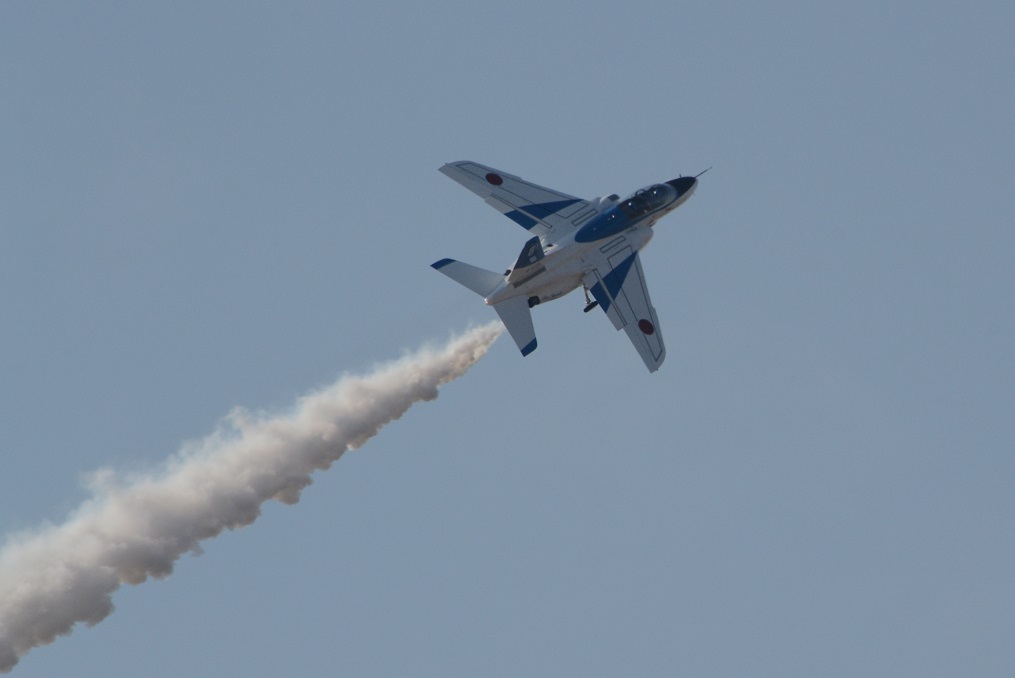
(648, 200)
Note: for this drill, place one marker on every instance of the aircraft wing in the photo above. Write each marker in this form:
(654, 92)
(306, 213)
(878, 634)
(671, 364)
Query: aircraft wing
(546, 213)
(618, 284)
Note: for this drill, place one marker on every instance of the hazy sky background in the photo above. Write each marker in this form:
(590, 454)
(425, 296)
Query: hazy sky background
(234, 203)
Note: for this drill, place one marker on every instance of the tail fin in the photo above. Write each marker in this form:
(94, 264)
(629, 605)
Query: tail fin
(517, 318)
(525, 268)
(479, 280)
(513, 312)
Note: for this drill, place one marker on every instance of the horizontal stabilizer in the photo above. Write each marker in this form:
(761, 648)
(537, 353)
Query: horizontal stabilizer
(479, 280)
(517, 318)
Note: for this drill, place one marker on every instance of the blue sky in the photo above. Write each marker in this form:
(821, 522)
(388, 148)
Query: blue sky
(230, 205)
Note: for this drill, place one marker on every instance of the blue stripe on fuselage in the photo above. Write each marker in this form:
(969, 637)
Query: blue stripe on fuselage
(607, 224)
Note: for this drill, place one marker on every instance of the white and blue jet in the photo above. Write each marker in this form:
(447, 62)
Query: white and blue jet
(589, 243)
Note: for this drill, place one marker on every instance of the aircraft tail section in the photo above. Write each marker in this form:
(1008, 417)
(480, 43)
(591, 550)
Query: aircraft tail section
(525, 269)
(514, 312)
(479, 280)
(517, 318)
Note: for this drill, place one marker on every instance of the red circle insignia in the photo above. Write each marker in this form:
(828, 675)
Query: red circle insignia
(494, 179)
(646, 327)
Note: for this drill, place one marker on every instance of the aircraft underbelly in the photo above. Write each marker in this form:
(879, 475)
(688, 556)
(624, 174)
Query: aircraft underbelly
(551, 279)
(554, 283)
(563, 271)
(554, 289)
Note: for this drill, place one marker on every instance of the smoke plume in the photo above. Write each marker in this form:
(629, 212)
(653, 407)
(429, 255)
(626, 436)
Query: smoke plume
(136, 528)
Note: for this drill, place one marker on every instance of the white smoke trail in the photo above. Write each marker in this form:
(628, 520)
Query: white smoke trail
(52, 578)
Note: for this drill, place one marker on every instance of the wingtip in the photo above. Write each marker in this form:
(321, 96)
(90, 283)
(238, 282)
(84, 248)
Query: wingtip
(438, 265)
(529, 348)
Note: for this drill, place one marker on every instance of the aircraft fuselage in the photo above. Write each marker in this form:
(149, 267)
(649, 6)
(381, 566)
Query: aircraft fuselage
(565, 263)
(573, 242)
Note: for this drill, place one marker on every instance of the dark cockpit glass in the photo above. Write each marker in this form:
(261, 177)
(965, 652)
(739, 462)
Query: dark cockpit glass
(648, 200)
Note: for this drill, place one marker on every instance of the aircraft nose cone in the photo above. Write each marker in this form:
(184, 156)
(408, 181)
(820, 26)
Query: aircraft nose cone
(683, 184)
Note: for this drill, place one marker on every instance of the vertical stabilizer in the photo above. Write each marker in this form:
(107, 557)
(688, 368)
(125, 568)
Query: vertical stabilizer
(525, 268)
(517, 318)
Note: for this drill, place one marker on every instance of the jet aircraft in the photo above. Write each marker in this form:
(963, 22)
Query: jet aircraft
(589, 243)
